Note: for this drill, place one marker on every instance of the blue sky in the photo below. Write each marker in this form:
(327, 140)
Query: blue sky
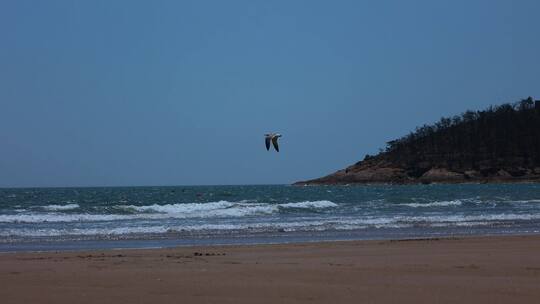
(181, 92)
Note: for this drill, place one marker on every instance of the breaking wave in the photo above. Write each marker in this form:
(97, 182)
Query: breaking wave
(61, 207)
(434, 204)
(310, 204)
(156, 211)
(319, 224)
(526, 201)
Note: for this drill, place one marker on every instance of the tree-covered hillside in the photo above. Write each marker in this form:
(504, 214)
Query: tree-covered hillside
(503, 136)
(500, 143)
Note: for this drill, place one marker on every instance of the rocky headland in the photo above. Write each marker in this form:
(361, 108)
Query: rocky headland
(499, 144)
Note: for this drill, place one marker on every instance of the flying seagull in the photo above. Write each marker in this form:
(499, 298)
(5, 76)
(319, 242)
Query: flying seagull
(272, 137)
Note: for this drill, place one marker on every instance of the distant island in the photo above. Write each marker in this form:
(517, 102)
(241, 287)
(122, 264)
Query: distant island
(499, 144)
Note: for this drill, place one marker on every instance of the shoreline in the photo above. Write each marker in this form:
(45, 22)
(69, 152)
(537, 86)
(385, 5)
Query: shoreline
(471, 269)
(292, 243)
(276, 243)
(173, 241)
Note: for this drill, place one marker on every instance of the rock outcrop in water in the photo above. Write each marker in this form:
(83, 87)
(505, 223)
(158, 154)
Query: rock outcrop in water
(499, 144)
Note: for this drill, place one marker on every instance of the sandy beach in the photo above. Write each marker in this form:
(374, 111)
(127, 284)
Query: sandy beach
(447, 270)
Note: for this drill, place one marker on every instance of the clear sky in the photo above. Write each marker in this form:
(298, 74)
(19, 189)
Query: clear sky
(181, 92)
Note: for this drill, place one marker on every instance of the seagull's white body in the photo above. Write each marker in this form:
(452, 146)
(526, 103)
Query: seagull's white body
(272, 137)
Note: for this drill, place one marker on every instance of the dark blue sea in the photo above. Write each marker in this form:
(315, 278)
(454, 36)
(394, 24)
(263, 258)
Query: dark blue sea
(139, 217)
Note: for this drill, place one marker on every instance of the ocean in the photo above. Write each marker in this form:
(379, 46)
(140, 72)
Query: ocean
(141, 217)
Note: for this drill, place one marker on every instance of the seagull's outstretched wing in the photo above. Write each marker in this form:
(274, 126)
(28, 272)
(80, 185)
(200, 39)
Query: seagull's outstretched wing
(274, 142)
(267, 141)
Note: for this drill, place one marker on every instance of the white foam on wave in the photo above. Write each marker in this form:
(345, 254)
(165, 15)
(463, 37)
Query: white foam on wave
(459, 202)
(61, 217)
(310, 204)
(70, 206)
(211, 209)
(308, 225)
(155, 211)
(434, 204)
(453, 219)
(304, 224)
(524, 201)
(25, 232)
(226, 208)
(183, 208)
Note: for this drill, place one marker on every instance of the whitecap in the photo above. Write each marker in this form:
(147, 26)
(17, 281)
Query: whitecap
(211, 209)
(70, 206)
(319, 224)
(183, 208)
(524, 201)
(434, 204)
(310, 204)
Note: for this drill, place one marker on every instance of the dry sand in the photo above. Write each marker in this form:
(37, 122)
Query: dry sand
(464, 270)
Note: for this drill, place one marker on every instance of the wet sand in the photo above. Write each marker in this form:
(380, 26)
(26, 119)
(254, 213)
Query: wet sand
(450, 270)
